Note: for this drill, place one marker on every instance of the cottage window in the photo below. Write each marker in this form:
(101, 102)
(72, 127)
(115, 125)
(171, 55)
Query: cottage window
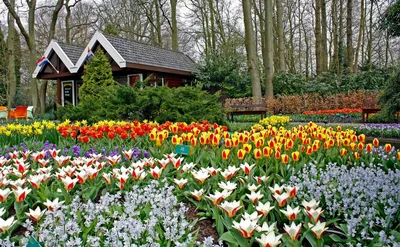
(134, 78)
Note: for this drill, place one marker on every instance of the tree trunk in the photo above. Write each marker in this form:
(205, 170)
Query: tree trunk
(252, 60)
(349, 32)
(318, 37)
(335, 63)
(360, 34)
(269, 58)
(281, 41)
(300, 37)
(387, 49)
(212, 23)
(369, 46)
(341, 46)
(174, 25)
(11, 75)
(68, 23)
(158, 19)
(324, 38)
(54, 18)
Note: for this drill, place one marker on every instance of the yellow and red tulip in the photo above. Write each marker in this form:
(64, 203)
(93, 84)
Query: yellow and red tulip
(257, 153)
(388, 148)
(343, 152)
(375, 142)
(241, 153)
(285, 158)
(226, 153)
(296, 156)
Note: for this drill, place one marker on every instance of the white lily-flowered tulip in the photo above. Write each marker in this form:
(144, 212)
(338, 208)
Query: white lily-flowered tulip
(311, 204)
(266, 228)
(69, 183)
(281, 199)
(197, 194)
(245, 227)
(264, 209)
(255, 196)
(277, 189)
(156, 172)
(5, 225)
(53, 205)
(181, 182)
(21, 193)
(293, 230)
(291, 213)
(247, 168)
(200, 176)
(253, 187)
(230, 208)
(318, 229)
(36, 214)
(261, 179)
(4, 194)
(227, 186)
(314, 214)
(269, 240)
(253, 217)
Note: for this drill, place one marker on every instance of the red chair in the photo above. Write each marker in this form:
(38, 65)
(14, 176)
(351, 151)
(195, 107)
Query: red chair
(21, 112)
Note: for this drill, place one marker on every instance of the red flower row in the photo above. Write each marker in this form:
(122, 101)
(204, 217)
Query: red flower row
(334, 111)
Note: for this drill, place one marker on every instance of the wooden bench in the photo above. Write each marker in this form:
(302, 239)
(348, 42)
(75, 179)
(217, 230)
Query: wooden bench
(369, 106)
(248, 109)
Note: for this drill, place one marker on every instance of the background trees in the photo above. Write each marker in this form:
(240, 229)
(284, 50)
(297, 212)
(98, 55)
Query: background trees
(290, 37)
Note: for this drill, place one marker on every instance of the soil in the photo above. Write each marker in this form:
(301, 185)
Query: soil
(206, 228)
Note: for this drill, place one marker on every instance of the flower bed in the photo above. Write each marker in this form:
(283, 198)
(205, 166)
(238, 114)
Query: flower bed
(380, 130)
(242, 180)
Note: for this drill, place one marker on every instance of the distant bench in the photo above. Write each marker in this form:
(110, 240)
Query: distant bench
(247, 109)
(371, 106)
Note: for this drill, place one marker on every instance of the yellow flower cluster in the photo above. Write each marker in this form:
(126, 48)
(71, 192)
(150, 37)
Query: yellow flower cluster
(36, 128)
(275, 120)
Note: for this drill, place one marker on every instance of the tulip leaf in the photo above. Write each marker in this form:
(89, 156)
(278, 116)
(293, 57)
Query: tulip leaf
(311, 239)
(239, 238)
(228, 237)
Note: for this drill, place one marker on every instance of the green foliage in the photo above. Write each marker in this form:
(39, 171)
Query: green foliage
(391, 19)
(390, 99)
(97, 79)
(225, 74)
(286, 83)
(184, 104)
(330, 83)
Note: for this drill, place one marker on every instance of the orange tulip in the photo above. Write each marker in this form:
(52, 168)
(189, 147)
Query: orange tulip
(388, 148)
(356, 155)
(257, 153)
(369, 147)
(375, 142)
(296, 156)
(225, 153)
(241, 153)
(343, 152)
(285, 158)
(398, 155)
